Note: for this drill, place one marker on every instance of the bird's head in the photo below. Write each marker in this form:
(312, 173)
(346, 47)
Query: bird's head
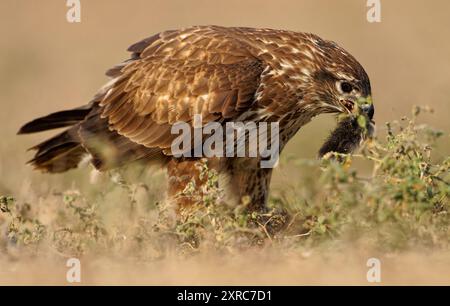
(339, 84)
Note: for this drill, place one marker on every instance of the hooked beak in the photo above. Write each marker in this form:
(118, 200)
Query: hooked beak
(364, 105)
(368, 109)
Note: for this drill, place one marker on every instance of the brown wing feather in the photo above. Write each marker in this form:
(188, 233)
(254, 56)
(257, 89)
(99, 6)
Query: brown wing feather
(176, 75)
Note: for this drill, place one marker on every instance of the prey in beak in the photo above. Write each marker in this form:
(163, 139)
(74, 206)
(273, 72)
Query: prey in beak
(356, 126)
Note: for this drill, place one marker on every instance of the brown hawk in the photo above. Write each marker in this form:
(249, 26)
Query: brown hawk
(224, 74)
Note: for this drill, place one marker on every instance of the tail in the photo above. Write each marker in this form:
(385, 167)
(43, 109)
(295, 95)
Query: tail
(63, 151)
(56, 120)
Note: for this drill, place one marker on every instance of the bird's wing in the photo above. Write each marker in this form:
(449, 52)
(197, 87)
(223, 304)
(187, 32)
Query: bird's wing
(175, 75)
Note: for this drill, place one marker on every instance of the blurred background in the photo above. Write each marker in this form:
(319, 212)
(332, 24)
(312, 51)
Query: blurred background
(48, 64)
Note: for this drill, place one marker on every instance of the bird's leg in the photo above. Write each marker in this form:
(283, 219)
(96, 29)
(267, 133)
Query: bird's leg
(196, 183)
(240, 181)
(252, 183)
(190, 180)
(249, 182)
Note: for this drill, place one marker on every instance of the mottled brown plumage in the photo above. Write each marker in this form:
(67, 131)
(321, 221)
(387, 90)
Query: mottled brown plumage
(224, 74)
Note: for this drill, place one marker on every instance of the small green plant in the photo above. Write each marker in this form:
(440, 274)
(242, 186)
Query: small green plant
(22, 228)
(403, 202)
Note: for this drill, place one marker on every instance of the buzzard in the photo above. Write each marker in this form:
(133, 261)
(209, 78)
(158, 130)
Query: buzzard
(224, 74)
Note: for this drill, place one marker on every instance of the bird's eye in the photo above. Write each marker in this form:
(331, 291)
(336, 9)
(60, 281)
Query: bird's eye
(346, 87)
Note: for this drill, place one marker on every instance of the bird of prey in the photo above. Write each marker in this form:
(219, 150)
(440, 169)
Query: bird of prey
(225, 74)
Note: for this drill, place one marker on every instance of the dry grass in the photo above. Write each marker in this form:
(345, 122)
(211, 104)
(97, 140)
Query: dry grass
(398, 212)
(390, 203)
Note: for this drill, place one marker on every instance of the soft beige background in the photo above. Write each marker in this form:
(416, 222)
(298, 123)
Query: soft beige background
(48, 64)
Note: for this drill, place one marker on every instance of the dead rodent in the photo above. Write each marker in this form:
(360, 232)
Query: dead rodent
(347, 136)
